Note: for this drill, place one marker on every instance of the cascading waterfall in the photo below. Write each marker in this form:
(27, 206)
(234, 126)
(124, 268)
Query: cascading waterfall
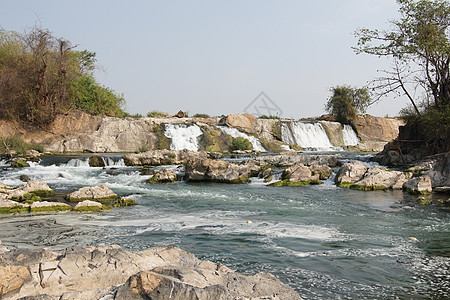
(349, 135)
(183, 136)
(256, 143)
(306, 135)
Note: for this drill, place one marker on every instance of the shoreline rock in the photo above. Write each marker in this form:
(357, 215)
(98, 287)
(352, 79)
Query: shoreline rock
(110, 272)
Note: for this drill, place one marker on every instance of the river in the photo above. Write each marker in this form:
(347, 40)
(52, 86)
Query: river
(324, 241)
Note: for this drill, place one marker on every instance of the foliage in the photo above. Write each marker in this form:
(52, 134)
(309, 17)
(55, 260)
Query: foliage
(201, 116)
(435, 126)
(345, 102)
(419, 46)
(240, 143)
(269, 117)
(42, 75)
(157, 114)
(17, 144)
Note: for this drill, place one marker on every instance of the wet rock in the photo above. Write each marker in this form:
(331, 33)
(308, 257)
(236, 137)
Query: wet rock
(163, 175)
(377, 178)
(219, 170)
(96, 161)
(349, 173)
(298, 174)
(418, 186)
(290, 160)
(113, 273)
(161, 157)
(88, 206)
(100, 193)
(45, 206)
(24, 178)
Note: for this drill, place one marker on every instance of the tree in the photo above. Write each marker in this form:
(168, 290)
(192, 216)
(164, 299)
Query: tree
(419, 46)
(345, 102)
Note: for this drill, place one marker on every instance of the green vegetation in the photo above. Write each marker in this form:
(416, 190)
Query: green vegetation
(42, 76)
(419, 46)
(17, 144)
(157, 114)
(162, 141)
(240, 143)
(286, 182)
(345, 102)
(201, 116)
(269, 117)
(19, 163)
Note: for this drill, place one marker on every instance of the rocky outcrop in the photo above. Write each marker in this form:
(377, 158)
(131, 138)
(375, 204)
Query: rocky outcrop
(376, 132)
(45, 206)
(377, 178)
(299, 174)
(100, 193)
(349, 173)
(33, 188)
(437, 167)
(162, 157)
(418, 186)
(113, 273)
(219, 170)
(291, 159)
(163, 175)
(89, 206)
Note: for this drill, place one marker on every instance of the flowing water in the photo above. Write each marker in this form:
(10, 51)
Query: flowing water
(324, 241)
(183, 136)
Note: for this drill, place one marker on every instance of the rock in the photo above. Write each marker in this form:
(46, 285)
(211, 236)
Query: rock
(323, 171)
(100, 193)
(163, 175)
(24, 178)
(290, 160)
(19, 163)
(219, 170)
(242, 122)
(161, 157)
(88, 206)
(437, 167)
(32, 155)
(180, 114)
(298, 174)
(377, 178)
(10, 207)
(442, 189)
(12, 278)
(216, 155)
(38, 188)
(44, 206)
(350, 173)
(96, 161)
(266, 173)
(418, 186)
(113, 273)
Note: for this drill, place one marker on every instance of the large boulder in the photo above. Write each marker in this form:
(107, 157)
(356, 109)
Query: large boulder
(100, 193)
(349, 173)
(377, 178)
(418, 186)
(219, 170)
(163, 175)
(113, 273)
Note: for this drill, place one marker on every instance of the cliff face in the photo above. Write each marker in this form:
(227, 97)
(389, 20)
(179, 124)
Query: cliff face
(77, 131)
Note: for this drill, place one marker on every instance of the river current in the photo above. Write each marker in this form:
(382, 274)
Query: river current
(324, 241)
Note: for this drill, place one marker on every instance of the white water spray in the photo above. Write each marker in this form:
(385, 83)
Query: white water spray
(256, 143)
(183, 136)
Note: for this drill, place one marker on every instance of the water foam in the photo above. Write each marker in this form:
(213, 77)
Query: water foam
(183, 136)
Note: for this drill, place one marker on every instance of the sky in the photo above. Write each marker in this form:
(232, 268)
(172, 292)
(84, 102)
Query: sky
(219, 57)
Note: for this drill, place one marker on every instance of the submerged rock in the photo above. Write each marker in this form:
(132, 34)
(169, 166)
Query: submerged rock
(113, 273)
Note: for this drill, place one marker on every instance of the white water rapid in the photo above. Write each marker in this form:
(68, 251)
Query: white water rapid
(183, 136)
(306, 135)
(256, 143)
(349, 135)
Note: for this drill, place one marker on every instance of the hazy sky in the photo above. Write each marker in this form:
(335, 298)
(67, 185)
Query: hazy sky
(216, 57)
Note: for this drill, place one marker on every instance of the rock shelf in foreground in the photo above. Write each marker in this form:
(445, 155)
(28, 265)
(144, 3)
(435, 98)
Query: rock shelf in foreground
(113, 273)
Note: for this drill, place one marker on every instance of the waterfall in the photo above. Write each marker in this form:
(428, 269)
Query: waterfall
(110, 162)
(256, 143)
(350, 137)
(78, 162)
(306, 135)
(183, 136)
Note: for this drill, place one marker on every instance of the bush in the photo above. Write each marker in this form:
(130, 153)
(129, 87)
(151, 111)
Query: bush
(269, 117)
(201, 116)
(157, 114)
(17, 144)
(240, 143)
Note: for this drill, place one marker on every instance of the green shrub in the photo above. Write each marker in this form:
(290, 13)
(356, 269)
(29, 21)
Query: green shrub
(201, 116)
(157, 114)
(17, 144)
(269, 117)
(240, 143)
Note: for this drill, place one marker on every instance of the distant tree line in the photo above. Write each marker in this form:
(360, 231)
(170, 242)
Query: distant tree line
(42, 75)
